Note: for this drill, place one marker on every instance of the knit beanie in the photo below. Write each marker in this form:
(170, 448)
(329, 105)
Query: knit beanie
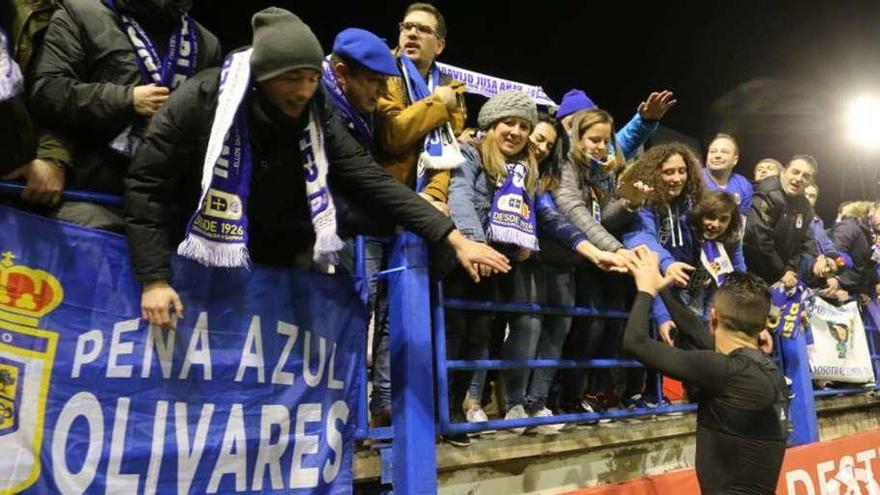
(282, 42)
(510, 103)
(574, 101)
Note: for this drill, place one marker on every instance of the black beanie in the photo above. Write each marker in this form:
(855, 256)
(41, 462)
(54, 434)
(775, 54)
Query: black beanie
(282, 42)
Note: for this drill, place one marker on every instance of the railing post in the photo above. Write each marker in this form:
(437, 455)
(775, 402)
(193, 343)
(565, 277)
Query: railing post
(412, 379)
(802, 408)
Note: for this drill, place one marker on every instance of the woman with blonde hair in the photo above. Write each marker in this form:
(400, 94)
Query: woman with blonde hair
(587, 181)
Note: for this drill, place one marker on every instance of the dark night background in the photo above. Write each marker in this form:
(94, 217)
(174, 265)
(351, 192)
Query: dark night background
(776, 74)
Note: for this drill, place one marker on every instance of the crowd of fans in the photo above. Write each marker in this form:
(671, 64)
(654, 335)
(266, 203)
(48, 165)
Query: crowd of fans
(280, 153)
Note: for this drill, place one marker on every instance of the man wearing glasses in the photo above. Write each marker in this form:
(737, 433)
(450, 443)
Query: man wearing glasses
(402, 123)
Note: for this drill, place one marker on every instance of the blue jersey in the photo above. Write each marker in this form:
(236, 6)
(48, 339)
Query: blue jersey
(737, 185)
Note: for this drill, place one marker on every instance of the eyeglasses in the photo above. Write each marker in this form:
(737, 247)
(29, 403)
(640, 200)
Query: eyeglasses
(421, 28)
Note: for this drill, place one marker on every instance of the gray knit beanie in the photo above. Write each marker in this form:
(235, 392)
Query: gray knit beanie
(282, 42)
(510, 103)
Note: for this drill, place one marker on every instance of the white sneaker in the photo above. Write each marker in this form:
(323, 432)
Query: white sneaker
(476, 415)
(552, 429)
(517, 412)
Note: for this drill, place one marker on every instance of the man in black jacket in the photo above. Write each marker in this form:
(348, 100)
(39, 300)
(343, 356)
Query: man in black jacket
(102, 72)
(778, 243)
(285, 69)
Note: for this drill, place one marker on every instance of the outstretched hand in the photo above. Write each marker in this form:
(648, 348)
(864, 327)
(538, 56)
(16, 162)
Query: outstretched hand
(474, 255)
(656, 105)
(646, 271)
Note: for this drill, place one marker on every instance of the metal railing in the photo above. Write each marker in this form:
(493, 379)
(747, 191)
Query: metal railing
(419, 364)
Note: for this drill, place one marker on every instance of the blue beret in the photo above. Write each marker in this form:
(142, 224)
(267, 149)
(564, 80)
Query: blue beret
(367, 49)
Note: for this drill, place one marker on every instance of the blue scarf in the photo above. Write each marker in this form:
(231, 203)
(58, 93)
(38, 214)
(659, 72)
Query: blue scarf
(440, 150)
(786, 306)
(362, 127)
(11, 80)
(714, 258)
(512, 218)
(217, 233)
(179, 64)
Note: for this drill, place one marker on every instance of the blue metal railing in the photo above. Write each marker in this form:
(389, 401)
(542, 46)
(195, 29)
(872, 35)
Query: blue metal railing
(413, 374)
(445, 365)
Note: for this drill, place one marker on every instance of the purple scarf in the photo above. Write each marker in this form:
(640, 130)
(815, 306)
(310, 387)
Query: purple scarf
(363, 128)
(512, 218)
(177, 65)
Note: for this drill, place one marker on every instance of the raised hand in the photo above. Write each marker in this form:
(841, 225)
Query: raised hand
(656, 105)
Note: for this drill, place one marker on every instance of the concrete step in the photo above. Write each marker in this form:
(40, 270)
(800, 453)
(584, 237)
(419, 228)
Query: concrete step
(585, 456)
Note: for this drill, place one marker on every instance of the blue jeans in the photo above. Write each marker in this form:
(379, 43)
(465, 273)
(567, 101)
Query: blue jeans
(558, 291)
(532, 281)
(374, 261)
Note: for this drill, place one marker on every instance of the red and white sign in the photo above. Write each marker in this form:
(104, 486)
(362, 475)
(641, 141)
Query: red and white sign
(846, 466)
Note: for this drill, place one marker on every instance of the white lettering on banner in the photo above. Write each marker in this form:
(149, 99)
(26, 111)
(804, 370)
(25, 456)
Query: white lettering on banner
(252, 352)
(489, 86)
(119, 348)
(851, 475)
(188, 447)
(80, 356)
(799, 477)
(157, 448)
(269, 454)
(303, 444)
(188, 459)
(164, 348)
(199, 350)
(117, 482)
(332, 382)
(279, 376)
(159, 345)
(338, 412)
(313, 380)
(85, 405)
(233, 454)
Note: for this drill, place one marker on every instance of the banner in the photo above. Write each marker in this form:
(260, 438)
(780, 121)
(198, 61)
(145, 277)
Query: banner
(255, 392)
(845, 466)
(840, 349)
(489, 86)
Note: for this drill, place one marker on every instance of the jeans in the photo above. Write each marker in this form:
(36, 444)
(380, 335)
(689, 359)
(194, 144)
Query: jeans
(374, 261)
(535, 336)
(559, 291)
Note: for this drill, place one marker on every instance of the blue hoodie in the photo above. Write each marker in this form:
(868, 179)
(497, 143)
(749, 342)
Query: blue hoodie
(670, 236)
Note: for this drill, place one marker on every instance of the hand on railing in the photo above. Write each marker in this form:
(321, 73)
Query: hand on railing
(44, 181)
(473, 254)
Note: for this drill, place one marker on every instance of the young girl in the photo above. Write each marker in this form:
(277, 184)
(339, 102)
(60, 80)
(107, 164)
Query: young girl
(718, 251)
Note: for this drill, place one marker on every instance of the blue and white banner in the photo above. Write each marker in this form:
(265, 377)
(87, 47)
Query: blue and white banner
(255, 392)
(489, 86)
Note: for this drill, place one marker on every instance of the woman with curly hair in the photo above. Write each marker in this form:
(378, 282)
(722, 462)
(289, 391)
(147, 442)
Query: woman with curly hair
(672, 170)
